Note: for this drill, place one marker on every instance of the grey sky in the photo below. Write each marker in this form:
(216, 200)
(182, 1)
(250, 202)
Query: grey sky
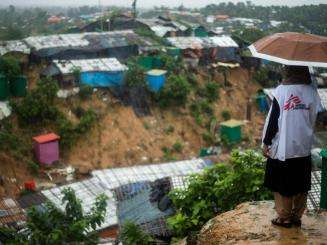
(151, 3)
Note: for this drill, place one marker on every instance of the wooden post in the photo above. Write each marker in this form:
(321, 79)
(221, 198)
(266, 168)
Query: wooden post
(249, 110)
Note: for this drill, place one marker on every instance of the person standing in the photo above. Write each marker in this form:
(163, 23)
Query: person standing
(287, 142)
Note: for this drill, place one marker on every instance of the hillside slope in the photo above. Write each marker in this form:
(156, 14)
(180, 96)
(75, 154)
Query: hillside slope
(121, 138)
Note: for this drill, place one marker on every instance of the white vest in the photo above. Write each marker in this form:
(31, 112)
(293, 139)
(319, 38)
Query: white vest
(298, 105)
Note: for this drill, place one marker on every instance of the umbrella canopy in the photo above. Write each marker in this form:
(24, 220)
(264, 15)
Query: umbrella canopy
(293, 49)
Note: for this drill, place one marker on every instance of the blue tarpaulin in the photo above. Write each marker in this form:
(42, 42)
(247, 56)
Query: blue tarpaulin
(102, 79)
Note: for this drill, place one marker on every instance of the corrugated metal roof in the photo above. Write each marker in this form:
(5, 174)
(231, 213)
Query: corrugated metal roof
(87, 65)
(202, 42)
(54, 41)
(115, 177)
(223, 41)
(14, 46)
(104, 181)
(161, 31)
(11, 215)
(87, 40)
(86, 191)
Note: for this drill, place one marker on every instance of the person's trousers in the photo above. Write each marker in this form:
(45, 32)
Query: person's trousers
(290, 208)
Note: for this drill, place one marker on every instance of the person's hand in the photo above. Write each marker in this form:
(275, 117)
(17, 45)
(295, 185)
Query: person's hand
(266, 151)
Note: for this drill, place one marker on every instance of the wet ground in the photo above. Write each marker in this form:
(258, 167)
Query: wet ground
(249, 223)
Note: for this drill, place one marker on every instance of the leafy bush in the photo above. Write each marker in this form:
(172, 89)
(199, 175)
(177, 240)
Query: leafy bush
(205, 107)
(212, 91)
(70, 133)
(86, 122)
(38, 105)
(71, 226)
(209, 138)
(67, 133)
(76, 71)
(78, 111)
(175, 91)
(219, 189)
(192, 79)
(10, 67)
(85, 92)
(261, 77)
(226, 115)
(34, 167)
(170, 129)
(178, 146)
(135, 76)
(132, 234)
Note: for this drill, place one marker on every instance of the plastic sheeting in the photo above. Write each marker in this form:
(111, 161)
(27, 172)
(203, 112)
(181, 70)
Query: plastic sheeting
(102, 79)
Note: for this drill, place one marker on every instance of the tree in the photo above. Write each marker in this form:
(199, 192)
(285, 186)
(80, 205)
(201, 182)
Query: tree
(38, 105)
(54, 226)
(175, 91)
(10, 67)
(135, 75)
(219, 189)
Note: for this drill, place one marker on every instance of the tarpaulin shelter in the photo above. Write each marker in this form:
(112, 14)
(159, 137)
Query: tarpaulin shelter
(105, 72)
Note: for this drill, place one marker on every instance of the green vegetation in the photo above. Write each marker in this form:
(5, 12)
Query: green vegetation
(39, 110)
(132, 234)
(298, 18)
(169, 129)
(175, 91)
(178, 147)
(135, 76)
(250, 35)
(38, 106)
(9, 67)
(54, 226)
(219, 189)
(261, 76)
(226, 115)
(85, 92)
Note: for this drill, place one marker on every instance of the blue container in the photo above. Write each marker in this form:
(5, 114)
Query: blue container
(156, 79)
(102, 79)
(262, 103)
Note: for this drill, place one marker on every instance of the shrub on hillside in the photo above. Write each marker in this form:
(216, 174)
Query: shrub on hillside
(132, 234)
(219, 189)
(175, 91)
(68, 226)
(212, 91)
(135, 75)
(85, 92)
(38, 105)
(9, 67)
(226, 115)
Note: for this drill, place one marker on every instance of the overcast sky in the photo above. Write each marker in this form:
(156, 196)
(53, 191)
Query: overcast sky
(151, 3)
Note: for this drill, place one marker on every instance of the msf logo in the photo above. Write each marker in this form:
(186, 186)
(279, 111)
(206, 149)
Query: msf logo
(294, 103)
